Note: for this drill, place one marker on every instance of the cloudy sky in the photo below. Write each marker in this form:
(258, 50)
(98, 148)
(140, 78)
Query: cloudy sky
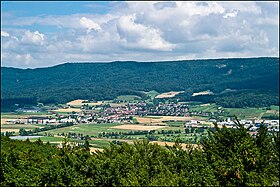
(40, 34)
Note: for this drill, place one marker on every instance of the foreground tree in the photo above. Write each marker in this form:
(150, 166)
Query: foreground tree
(239, 159)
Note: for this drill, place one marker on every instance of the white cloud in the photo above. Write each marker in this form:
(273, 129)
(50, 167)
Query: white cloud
(135, 35)
(89, 24)
(230, 14)
(33, 37)
(5, 34)
(145, 31)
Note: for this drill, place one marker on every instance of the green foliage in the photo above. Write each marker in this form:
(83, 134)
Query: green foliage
(105, 81)
(238, 159)
(229, 157)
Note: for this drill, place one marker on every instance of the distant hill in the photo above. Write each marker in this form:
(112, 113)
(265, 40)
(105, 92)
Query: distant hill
(254, 76)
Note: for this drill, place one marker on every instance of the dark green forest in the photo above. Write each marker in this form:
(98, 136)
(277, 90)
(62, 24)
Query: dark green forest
(227, 157)
(251, 79)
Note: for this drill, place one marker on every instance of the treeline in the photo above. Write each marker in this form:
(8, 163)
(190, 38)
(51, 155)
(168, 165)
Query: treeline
(102, 81)
(227, 157)
(241, 99)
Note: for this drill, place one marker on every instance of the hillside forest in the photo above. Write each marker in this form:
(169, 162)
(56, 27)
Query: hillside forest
(237, 82)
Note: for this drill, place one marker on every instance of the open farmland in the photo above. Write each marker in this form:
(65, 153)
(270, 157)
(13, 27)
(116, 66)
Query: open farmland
(152, 94)
(249, 113)
(128, 97)
(138, 127)
(204, 107)
(80, 102)
(6, 120)
(167, 95)
(16, 127)
(162, 119)
(86, 129)
(67, 110)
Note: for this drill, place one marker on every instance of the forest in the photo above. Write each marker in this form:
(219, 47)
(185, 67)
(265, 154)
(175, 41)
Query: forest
(249, 79)
(226, 157)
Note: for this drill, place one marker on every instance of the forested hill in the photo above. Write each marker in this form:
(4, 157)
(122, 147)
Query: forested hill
(69, 81)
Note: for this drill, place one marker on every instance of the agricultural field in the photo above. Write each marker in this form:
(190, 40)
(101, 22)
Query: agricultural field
(152, 94)
(138, 127)
(86, 129)
(204, 107)
(163, 119)
(167, 95)
(128, 98)
(16, 127)
(248, 113)
(81, 102)
(13, 115)
(67, 110)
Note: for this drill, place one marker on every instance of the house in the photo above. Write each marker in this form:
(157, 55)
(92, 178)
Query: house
(37, 120)
(191, 123)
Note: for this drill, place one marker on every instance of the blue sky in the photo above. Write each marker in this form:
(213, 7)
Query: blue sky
(40, 34)
(33, 8)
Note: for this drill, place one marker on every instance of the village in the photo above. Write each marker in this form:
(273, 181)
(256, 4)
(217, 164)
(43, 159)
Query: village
(128, 113)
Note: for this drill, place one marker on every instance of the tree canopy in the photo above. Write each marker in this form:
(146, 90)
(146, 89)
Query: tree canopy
(229, 157)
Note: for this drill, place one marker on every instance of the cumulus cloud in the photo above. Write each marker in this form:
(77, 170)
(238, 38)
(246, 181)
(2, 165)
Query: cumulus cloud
(33, 37)
(89, 24)
(145, 31)
(136, 35)
(230, 14)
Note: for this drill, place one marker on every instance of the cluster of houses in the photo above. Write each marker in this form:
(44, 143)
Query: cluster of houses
(272, 125)
(124, 114)
(169, 110)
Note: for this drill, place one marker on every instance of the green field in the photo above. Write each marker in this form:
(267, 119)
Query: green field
(88, 129)
(128, 97)
(205, 108)
(56, 140)
(274, 107)
(152, 94)
(14, 115)
(248, 113)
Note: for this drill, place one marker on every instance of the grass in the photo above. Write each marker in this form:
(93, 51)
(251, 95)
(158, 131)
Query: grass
(88, 129)
(274, 107)
(248, 113)
(207, 108)
(175, 123)
(128, 97)
(56, 140)
(152, 93)
(13, 115)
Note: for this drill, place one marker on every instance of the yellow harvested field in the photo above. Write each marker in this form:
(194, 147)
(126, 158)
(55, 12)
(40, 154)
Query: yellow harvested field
(9, 130)
(138, 127)
(161, 119)
(5, 121)
(167, 95)
(79, 102)
(272, 111)
(208, 92)
(93, 149)
(68, 110)
(76, 102)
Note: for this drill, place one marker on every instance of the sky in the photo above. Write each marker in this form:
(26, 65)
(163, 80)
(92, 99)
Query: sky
(43, 34)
